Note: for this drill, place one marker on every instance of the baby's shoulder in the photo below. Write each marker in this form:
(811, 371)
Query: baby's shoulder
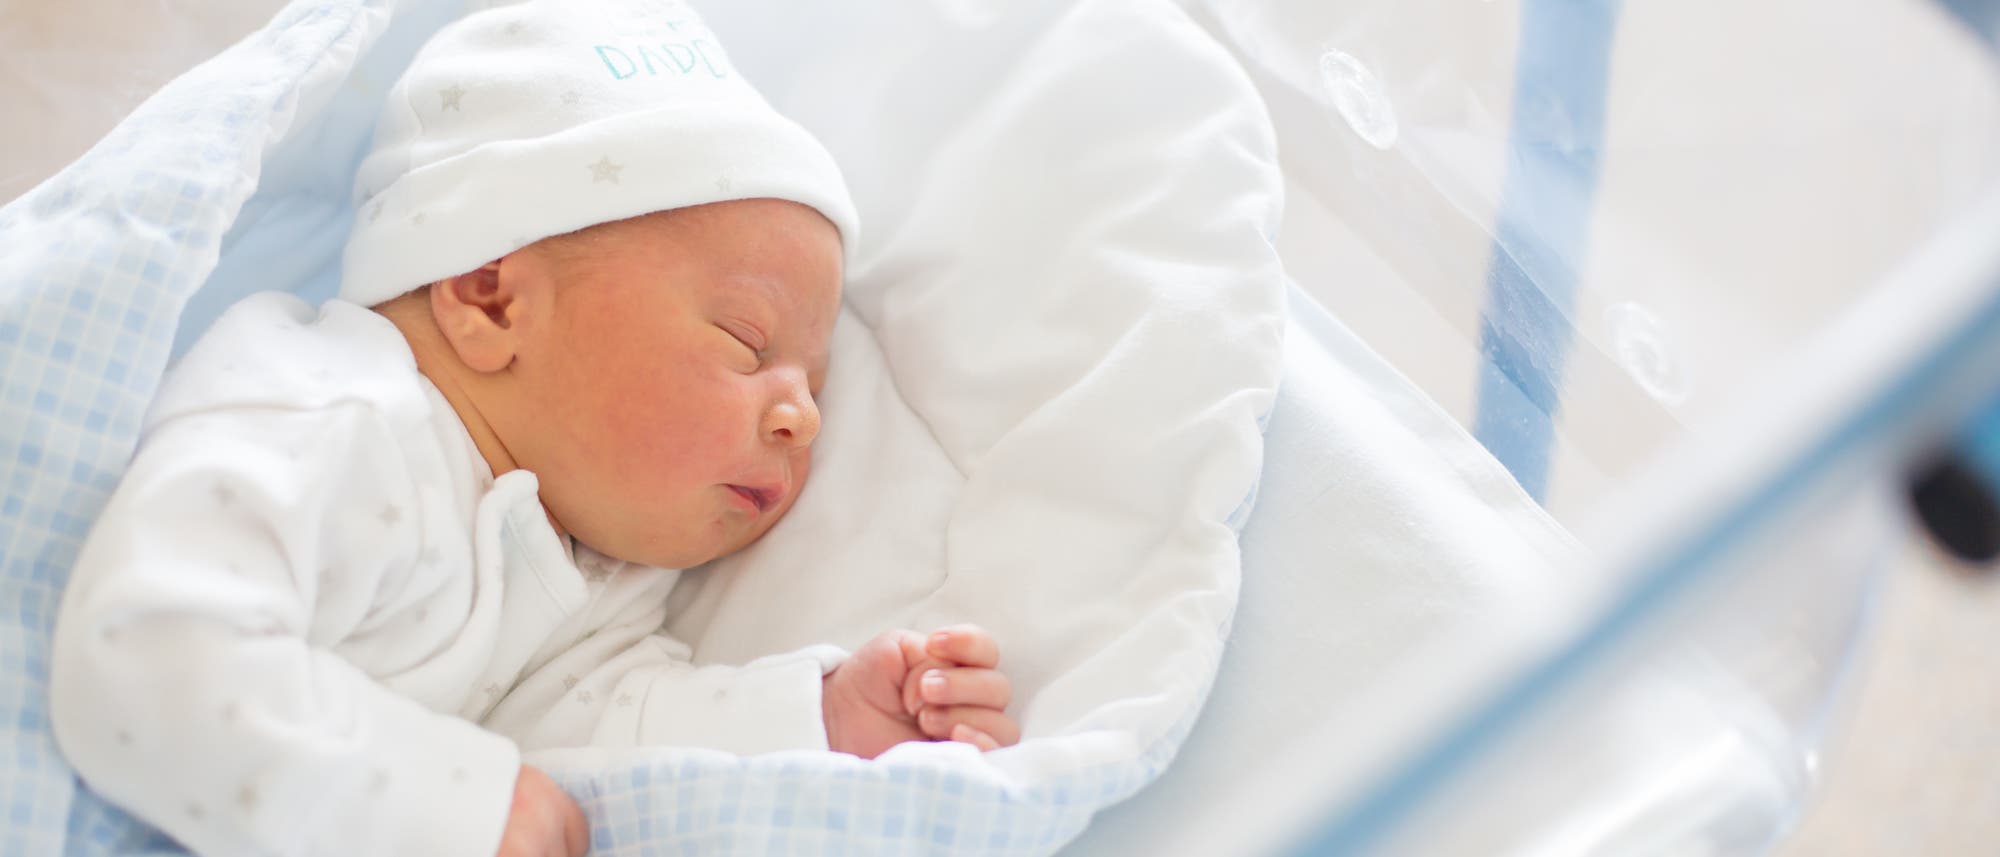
(274, 352)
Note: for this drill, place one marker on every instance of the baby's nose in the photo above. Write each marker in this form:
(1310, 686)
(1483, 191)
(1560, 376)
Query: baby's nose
(793, 422)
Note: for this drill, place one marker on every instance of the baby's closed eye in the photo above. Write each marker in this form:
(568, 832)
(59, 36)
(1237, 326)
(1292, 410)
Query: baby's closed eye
(746, 343)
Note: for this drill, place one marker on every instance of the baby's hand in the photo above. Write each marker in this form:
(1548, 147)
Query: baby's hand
(543, 822)
(956, 693)
(879, 698)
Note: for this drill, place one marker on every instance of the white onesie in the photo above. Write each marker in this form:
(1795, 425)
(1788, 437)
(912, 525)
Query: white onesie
(309, 589)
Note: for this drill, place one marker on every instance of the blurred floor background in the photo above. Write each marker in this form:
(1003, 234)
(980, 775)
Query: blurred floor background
(1914, 769)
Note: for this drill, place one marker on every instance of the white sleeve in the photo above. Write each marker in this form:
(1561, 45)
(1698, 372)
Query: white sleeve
(192, 681)
(629, 685)
(656, 697)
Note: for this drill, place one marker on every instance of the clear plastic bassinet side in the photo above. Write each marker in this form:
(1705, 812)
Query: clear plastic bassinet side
(1606, 236)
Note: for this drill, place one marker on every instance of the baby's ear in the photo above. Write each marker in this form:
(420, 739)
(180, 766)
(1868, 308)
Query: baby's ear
(480, 312)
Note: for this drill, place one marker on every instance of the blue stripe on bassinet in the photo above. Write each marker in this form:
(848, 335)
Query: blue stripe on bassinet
(1542, 230)
(1982, 17)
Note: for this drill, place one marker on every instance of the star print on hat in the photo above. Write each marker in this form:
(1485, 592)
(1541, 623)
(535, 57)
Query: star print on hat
(541, 117)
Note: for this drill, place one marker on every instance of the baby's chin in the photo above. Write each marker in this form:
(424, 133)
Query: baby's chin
(741, 542)
(684, 546)
(725, 540)
(685, 556)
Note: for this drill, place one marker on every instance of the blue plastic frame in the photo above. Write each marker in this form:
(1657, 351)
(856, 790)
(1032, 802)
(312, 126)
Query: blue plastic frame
(1540, 243)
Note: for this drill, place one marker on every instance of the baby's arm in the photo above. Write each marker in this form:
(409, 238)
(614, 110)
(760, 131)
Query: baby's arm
(611, 692)
(191, 679)
(626, 684)
(629, 685)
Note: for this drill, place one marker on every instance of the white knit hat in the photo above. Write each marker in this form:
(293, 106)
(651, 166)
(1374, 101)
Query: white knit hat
(542, 117)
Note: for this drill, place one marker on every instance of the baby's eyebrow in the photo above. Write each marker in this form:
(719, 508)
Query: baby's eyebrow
(742, 292)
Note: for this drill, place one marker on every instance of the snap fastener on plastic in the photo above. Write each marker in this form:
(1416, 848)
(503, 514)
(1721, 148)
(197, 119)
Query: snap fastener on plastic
(1640, 346)
(1359, 98)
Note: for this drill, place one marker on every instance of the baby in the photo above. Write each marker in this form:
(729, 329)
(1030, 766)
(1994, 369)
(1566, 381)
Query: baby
(366, 556)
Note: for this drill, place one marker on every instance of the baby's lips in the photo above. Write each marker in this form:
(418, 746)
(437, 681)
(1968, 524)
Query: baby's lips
(768, 492)
(762, 498)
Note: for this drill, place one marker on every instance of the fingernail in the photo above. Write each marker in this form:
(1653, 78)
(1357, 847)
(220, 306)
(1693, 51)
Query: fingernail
(933, 684)
(967, 735)
(941, 638)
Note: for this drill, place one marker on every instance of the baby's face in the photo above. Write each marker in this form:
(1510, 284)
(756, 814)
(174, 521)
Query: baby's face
(687, 350)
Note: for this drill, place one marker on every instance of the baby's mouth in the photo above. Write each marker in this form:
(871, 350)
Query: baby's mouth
(762, 498)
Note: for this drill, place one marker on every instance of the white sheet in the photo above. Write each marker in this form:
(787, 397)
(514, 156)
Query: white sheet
(1381, 528)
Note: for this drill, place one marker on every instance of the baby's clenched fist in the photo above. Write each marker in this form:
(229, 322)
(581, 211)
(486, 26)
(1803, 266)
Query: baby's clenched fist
(901, 686)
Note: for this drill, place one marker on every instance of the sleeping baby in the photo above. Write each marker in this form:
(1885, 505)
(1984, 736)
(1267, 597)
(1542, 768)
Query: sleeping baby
(368, 555)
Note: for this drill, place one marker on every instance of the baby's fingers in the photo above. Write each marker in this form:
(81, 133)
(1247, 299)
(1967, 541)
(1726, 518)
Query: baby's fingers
(968, 645)
(967, 735)
(949, 723)
(965, 686)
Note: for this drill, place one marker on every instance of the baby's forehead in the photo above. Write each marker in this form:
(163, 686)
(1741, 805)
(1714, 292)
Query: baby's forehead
(777, 261)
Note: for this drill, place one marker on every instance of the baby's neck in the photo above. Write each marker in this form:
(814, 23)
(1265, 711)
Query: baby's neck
(439, 363)
(456, 381)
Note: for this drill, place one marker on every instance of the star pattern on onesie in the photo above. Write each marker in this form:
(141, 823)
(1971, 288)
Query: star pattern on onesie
(604, 170)
(448, 97)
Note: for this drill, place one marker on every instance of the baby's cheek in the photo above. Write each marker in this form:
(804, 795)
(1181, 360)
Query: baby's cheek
(658, 437)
